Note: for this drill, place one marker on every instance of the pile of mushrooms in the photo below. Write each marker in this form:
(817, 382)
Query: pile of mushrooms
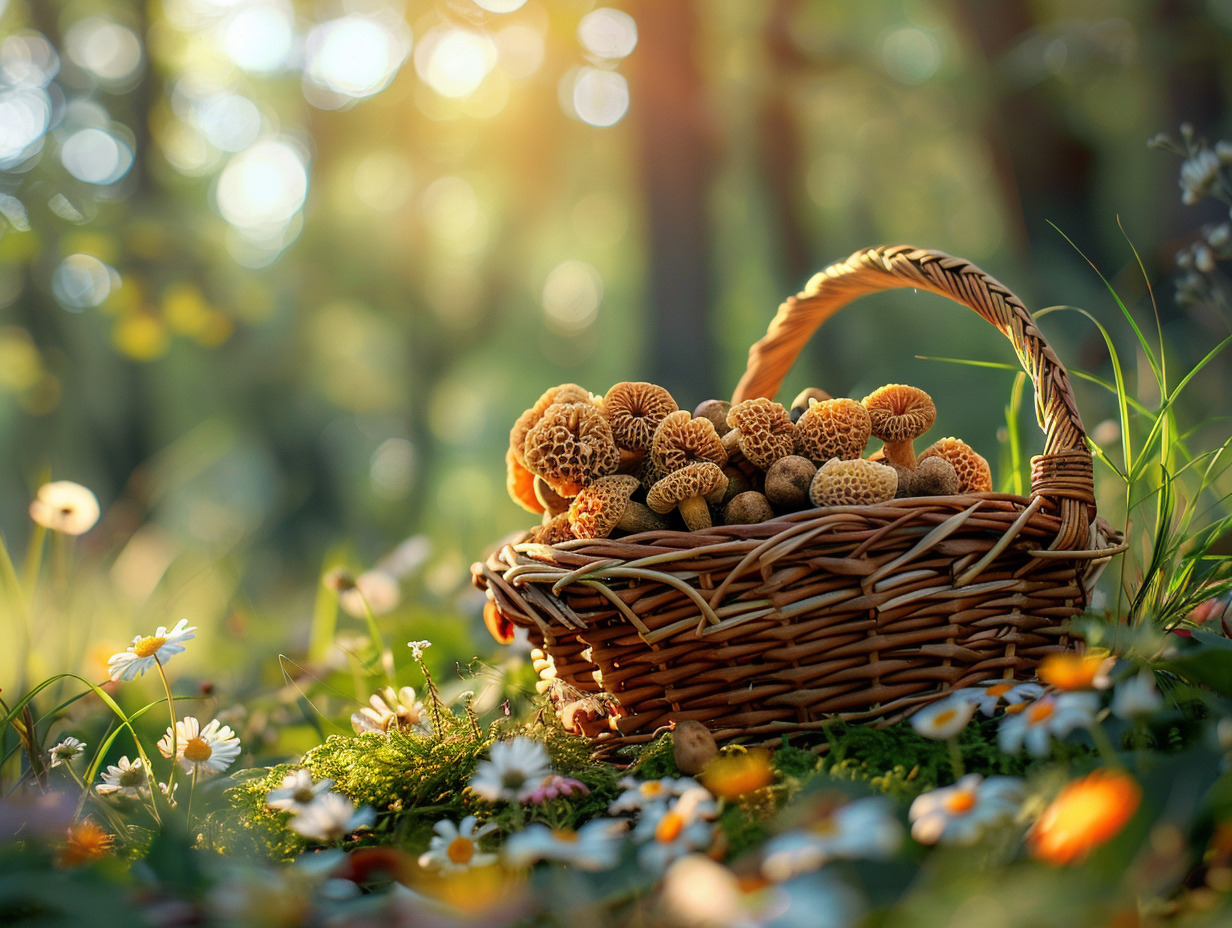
(632, 461)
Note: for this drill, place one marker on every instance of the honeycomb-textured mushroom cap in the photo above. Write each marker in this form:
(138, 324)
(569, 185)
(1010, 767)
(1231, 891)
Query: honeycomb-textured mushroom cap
(552, 532)
(974, 474)
(634, 410)
(838, 428)
(599, 508)
(561, 393)
(689, 489)
(801, 403)
(521, 483)
(933, 476)
(900, 414)
(766, 432)
(681, 439)
(570, 446)
(853, 483)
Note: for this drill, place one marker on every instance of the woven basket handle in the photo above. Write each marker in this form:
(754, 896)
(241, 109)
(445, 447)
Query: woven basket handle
(1062, 475)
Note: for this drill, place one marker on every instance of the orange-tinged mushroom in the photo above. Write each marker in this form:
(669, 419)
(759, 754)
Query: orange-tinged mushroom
(1088, 812)
(853, 483)
(900, 414)
(833, 429)
(764, 431)
(521, 483)
(690, 489)
(974, 474)
(634, 410)
(551, 501)
(552, 532)
(570, 446)
(497, 623)
(681, 439)
(606, 505)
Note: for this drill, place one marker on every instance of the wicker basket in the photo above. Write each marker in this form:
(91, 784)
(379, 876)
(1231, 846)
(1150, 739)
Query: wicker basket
(854, 612)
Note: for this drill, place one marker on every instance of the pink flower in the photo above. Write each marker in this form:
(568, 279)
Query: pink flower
(554, 785)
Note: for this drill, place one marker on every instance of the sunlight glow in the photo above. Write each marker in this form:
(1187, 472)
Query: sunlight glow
(500, 6)
(108, 50)
(521, 49)
(571, 297)
(607, 34)
(451, 210)
(24, 115)
(229, 121)
(910, 55)
(454, 61)
(356, 56)
(260, 38)
(598, 97)
(27, 59)
(262, 188)
(81, 281)
(96, 156)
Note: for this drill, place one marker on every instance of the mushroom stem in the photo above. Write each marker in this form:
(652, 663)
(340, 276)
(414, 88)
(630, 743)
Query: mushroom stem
(695, 512)
(900, 454)
(553, 503)
(639, 517)
(631, 460)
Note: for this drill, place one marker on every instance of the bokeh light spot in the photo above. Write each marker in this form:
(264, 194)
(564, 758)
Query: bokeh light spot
(382, 181)
(910, 55)
(571, 297)
(520, 49)
(356, 56)
(599, 98)
(500, 6)
(454, 61)
(229, 121)
(81, 281)
(391, 470)
(24, 115)
(261, 188)
(27, 59)
(96, 156)
(261, 37)
(108, 50)
(450, 208)
(607, 33)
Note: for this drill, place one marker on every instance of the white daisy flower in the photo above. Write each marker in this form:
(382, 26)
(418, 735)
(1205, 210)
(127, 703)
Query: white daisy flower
(594, 846)
(330, 817)
(64, 506)
(990, 694)
(863, 829)
(125, 779)
(1048, 717)
(206, 750)
(297, 791)
(943, 719)
(640, 793)
(1137, 697)
(958, 814)
(144, 652)
(513, 771)
(456, 847)
(669, 831)
(392, 710)
(418, 648)
(66, 750)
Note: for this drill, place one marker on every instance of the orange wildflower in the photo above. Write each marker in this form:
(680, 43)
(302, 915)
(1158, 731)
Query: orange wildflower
(1068, 671)
(1088, 812)
(730, 776)
(87, 841)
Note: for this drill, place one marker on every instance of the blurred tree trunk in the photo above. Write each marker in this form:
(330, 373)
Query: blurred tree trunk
(677, 161)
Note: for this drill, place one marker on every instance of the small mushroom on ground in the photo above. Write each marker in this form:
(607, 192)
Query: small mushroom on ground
(520, 483)
(634, 410)
(764, 430)
(552, 532)
(899, 415)
(747, 508)
(716, 411)
(933, 476)
(974, 474)
(833, 429)
(788, 481)
(551, 501)
(800, 404)
(853, 483)
(681, 439)
(605, 506)
(689, 489)
(693, 747)
(570, 446)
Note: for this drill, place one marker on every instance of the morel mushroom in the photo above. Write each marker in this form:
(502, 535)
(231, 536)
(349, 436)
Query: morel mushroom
(788, 481)
(974, 474)
(899, 415)
(634, 410)
(689, 489)
(605, 506)
(561, 393)
(765, 431)
(853, 483)
(570, 446)
(833, 429)
(521, 483)
(551, 501)
(799, 406)
(552, 532)
(932, 476)
(747, 508)
(681, 439)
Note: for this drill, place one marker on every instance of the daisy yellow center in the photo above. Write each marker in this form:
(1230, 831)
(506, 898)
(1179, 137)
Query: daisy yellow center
(148, 646)
(961, 802)
(999, 689)
(197, 750)
(304, 795)
(651, 788)
(1040, 712)
(669, 828)
(567, 835)
(825, 827)
(461, 849)
(133, 776)
(944, 717)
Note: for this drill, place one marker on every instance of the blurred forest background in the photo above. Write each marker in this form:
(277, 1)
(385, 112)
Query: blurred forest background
(276, 277)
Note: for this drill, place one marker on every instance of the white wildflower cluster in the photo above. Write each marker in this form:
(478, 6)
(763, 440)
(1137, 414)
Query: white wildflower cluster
(392, 710)
(317, 813)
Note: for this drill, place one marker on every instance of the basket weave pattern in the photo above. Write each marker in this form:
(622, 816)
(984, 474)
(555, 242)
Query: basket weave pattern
(851, 612)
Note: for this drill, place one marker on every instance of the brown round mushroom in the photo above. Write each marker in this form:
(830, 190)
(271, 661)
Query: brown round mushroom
(605, 506)
(833, 429)
(932, 476)
(737, 482)
(853, 483)
(689, 489)
(570, 446)
(693, 747)
(765, 431)
(974, 474)
(561, 393)
(788, 481)
(634, 410)
(900, 414)
(716, 411)
(800, 404)
(552, 532)
(747, 508)
(681, 439)
(520, 483)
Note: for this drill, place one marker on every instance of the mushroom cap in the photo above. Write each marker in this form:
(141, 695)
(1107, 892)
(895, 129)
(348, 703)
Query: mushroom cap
(597, 509)
(521, 483)
(552, 532)
(701, 478)
(932, 476)
(899, 412)
(551, 501)
(833, 429)
(716, 411)
(788, 481)
(747, 508)
(853, 483)
(561, 393)
(681, 439)
(634, 410)
(766, 432)
(570, 446)
(974, 474)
